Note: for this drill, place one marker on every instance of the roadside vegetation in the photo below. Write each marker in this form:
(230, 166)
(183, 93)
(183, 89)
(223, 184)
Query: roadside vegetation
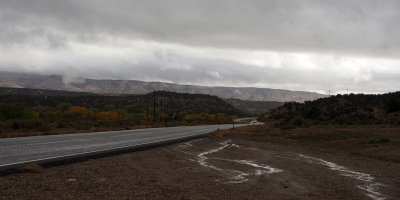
(38, 112)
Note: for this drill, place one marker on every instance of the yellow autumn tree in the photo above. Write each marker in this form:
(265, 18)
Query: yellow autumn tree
(80, 112)
(107, 115)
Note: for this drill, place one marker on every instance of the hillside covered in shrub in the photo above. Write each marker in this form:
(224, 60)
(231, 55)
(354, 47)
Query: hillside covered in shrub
(48, 110)
(255, 107)
(341, 109)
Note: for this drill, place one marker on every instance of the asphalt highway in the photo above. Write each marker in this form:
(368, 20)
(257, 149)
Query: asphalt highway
(16, 152)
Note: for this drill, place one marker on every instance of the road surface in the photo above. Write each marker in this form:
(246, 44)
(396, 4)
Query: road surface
(16, 152)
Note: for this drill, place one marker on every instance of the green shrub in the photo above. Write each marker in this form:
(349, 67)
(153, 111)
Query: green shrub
(11, 111)
(67, 115)
(32, 124)
(64, 106)
(393, 105)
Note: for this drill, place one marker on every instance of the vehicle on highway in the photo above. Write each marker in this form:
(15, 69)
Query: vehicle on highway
(254, 122)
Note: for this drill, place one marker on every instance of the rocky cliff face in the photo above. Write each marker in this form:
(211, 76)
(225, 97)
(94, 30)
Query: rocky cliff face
(55, 82)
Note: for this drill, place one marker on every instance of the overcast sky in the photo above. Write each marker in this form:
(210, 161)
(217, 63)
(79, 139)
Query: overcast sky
(311, 45)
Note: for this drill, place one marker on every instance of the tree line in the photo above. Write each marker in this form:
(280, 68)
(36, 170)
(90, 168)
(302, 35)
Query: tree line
(346, 109)
(20, 113)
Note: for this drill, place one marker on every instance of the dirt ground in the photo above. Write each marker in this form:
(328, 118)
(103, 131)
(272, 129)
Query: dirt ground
(217, 168)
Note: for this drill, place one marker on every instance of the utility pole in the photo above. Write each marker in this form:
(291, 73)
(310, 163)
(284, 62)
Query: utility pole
(154, 107)
(161, 107)
(147, 110)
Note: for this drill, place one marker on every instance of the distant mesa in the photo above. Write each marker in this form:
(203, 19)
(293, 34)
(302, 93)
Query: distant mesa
(56, 82)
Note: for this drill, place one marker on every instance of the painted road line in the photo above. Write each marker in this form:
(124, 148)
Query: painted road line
(163, 136)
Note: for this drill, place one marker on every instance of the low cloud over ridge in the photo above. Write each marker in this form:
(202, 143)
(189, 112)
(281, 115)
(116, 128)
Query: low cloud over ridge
(301, 45)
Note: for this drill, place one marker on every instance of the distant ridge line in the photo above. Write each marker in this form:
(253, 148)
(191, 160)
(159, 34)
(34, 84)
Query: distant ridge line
(56, 82)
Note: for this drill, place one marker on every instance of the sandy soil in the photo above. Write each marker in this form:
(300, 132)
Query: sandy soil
(206, 168)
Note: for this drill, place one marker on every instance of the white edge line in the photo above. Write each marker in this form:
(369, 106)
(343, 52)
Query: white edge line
(88, 153)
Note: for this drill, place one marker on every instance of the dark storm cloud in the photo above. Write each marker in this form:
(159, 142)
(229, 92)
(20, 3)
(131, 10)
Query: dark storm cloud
(356, 26)
(293, 44)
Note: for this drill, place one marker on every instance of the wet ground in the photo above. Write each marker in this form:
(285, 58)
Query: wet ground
(213, 169)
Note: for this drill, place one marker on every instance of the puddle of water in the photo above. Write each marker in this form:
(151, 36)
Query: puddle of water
(189, 144)
(265, 169)
(202, 160)
(235, 175)
(368, 185)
